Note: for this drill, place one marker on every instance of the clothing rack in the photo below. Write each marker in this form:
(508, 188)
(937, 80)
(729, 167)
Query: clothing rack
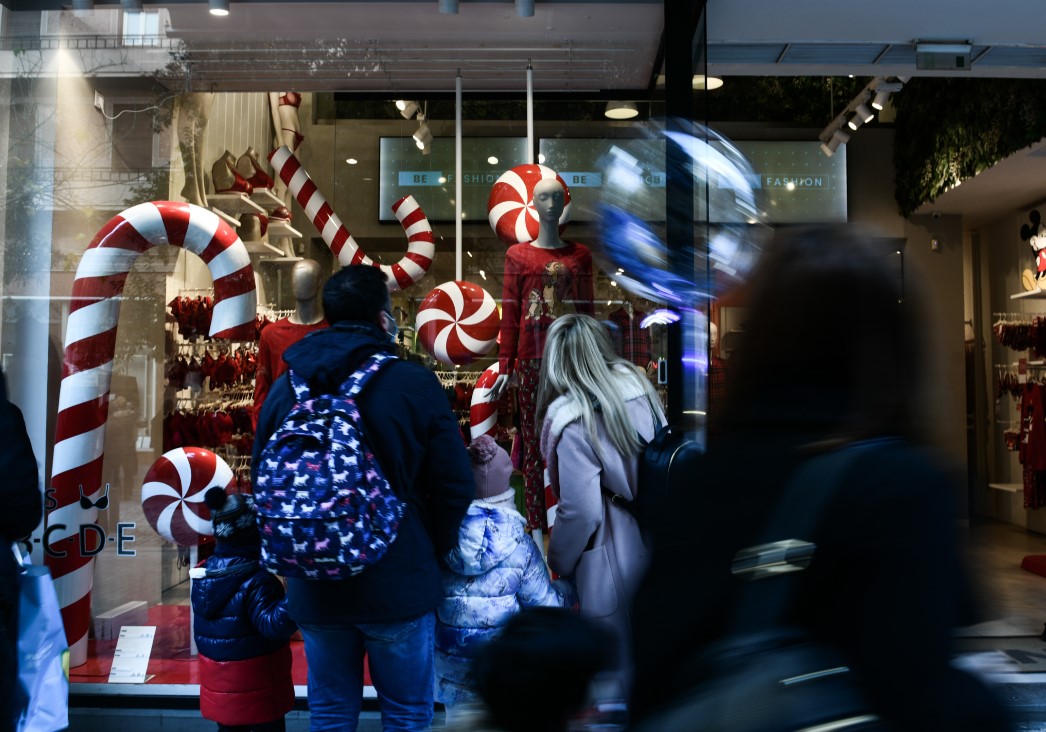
(449, 378)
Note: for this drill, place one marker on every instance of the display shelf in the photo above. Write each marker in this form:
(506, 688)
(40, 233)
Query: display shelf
(234, 203)
(263, 248)
(1007, 487)
(282, 260)
(265, 197)
(1029, 294)
(284, 229)
(231, 221)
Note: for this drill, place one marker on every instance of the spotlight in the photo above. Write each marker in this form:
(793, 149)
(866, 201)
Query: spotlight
(861, 115)
(132, 5)
(407, 108)
(708, 83)
(219, 7)
(829, 146)
(423, 137)
(621, 110)
(525, 8)
(883, 92)
(450, 7)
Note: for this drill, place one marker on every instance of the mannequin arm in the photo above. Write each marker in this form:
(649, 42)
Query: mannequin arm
(500, 385)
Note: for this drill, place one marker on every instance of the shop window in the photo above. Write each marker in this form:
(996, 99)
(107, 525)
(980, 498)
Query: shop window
(132, 133)
(141, 28)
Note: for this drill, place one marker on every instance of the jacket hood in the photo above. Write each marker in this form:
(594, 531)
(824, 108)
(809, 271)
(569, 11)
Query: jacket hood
(326, 357)
(487, 536)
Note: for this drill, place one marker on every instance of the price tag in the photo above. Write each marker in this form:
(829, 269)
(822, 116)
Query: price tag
(131, 658)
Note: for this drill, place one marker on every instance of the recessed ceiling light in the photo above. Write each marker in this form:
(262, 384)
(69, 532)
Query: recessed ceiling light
(492, 160)
(351, 161)
(219, 7)
(708, 83)
(621, 110)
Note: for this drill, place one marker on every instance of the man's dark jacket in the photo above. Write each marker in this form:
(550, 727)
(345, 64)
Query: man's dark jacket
(414, 435)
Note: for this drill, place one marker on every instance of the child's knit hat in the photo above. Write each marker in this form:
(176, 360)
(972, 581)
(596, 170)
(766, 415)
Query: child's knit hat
(233, 517)
(491, 467)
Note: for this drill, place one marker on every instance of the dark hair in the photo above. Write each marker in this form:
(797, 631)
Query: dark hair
(829, 343)
(357, 292)
(536, 673)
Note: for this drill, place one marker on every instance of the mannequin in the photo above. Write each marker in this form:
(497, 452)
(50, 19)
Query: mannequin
(247, 166)
(193, 113)
(284, 107)
(716, 375)
(544, 278)
(630, 341)
(306, 285)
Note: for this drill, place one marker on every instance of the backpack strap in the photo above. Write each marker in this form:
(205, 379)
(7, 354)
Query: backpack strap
(784, 546)
(353, 385)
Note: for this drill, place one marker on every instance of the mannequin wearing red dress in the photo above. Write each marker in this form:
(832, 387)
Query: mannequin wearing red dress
(544, 278)
(306, 279)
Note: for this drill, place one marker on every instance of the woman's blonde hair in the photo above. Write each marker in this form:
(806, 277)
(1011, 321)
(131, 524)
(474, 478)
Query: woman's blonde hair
(579, 360)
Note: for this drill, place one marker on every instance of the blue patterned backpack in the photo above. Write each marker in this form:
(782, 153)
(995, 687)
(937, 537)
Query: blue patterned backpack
(325, 509)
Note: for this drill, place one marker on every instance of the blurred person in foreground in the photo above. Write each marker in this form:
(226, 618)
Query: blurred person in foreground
(830, 357)
(538, 674)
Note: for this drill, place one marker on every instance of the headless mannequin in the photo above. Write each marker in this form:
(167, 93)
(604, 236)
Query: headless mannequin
(306, 281)
(716, 377)
(193, 113)
(543, 279)
(247, 166)
(226, 178)
(287, 126)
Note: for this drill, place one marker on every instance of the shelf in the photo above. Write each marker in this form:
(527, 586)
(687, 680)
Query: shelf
(266, 198)
(1036, 293)
(283, 229)
(281, 260)
(233, 222)
(1008, 487)
(234, 203)
(263, 248)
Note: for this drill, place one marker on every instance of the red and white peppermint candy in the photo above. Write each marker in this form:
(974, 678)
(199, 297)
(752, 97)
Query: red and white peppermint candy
(483, 410)
(421, 247)
(458, 322)
(90, 345)
(172, 496)
(510, 208)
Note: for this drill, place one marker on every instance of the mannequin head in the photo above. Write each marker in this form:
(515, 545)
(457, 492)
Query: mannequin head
(305, 280)
(713, 335)
(549, 200)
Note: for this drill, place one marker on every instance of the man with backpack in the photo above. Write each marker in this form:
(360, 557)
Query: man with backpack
(386, 609)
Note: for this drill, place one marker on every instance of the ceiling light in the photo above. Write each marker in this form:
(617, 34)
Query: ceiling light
(541, 158)
(423, 137)
(861, 115)
(708, 83)
(83, 4)
(621, 110)
(219, 7)
(407, 108)
(132, 5)
(492, 160)
(525, 8)
(449, 7)
(351, 161)
(883, 92)
(829, 146)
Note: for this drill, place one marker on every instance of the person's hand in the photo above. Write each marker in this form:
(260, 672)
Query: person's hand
(500, 384)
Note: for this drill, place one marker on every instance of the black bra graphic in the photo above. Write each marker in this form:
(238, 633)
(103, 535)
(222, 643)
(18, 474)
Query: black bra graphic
(101, 504)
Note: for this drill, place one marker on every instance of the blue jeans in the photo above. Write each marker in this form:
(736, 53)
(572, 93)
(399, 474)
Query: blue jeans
(400, 659)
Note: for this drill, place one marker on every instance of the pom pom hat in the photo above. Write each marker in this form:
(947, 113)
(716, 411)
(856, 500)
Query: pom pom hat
(232, 516)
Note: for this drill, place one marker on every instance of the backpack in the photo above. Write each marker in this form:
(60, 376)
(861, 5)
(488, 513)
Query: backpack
(325, 509)
(764, 675)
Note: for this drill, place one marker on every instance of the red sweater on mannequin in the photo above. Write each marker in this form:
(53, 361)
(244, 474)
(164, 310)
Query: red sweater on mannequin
(274, 340)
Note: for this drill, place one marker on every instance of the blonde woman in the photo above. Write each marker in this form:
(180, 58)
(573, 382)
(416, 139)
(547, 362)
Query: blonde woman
(596, 408)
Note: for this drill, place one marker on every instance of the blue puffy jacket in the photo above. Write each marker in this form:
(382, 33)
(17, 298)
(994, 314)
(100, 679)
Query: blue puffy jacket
(241, 627)
(495, 570)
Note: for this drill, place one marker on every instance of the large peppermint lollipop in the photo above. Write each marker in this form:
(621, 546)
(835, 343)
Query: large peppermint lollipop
(173, 493)
(458, 322)
(510, 208)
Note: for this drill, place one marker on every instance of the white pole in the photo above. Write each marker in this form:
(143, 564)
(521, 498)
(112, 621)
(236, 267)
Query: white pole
(530, 113)
(457, 176)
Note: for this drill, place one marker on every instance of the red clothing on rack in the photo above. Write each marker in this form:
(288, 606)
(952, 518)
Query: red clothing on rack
(631, 342)
(540, 285)
(275, 339)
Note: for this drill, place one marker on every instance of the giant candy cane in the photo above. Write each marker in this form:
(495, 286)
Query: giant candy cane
(90, 342)
(420, 246)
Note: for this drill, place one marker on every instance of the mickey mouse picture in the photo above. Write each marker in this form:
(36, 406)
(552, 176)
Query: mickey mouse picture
(1035, 235)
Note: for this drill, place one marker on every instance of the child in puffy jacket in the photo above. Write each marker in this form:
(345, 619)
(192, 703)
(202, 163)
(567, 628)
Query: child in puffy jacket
(495, 570)
(241, 625)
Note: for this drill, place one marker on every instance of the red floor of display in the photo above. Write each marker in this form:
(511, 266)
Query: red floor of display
(171, 661)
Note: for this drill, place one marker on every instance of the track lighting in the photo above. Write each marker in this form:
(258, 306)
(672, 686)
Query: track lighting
(407, 108)
(621, 110)
(450, 7)
(423, 137)
(861, 115)
(830, 145)
(883, 92)
(219, 7)
(525, 8)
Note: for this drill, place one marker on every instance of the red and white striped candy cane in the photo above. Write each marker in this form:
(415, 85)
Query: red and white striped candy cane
(420, 246)
(483, 410)
(90, 343)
